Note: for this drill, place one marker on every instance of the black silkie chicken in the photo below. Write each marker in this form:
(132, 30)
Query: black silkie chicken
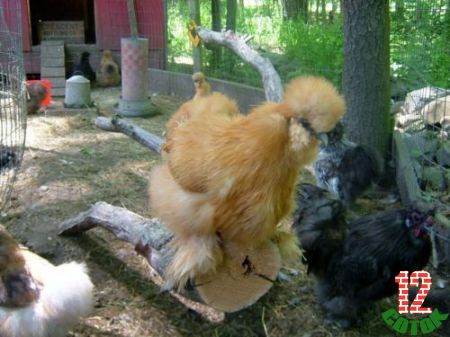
(356, 264)
(437, 298)
(84, 67)
(8, 158)
(343, 167)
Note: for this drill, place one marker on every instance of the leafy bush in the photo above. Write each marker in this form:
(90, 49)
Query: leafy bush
(313, 49)
(420, 52)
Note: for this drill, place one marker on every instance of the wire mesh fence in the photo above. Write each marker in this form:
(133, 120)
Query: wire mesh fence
(420, 59)
(420, 50)
(12, 96)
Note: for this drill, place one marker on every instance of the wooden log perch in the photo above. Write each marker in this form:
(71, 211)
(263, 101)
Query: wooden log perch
(118, 124)
(271, 80)
(244, 276)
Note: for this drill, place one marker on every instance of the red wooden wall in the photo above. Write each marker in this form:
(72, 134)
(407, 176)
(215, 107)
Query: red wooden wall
(111, 19)
(111, 22)
(11, 10)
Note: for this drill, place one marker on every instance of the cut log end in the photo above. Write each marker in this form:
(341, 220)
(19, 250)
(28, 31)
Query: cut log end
(245, 276)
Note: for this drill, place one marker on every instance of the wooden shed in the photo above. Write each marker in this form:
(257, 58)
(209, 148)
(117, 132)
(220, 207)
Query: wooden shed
(87, 25)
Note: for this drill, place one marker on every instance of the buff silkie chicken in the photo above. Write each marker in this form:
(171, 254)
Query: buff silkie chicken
(231, 178)
(201, 84)
(38, 299)
(36, 93)
(108, 72)
(202, 89)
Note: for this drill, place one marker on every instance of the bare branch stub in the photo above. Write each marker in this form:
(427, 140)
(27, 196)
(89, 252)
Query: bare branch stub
(133, 131)
(273, 87)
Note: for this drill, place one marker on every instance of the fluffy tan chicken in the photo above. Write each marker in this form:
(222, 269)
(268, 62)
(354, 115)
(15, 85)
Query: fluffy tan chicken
(202, 89)
(108, 73)
(223, 106)
(230, 177)
(38, 299)
(36, 93)
(201, 84)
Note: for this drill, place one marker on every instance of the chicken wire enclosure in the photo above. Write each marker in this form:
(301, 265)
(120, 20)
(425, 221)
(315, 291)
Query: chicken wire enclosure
(420, 66)
(420, 55)
(12, 96)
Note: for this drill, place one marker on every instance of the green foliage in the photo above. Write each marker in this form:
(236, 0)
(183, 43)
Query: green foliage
(177, 22)
(420, 44)
(312, 49)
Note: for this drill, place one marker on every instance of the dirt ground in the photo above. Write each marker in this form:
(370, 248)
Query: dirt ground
(69, 165)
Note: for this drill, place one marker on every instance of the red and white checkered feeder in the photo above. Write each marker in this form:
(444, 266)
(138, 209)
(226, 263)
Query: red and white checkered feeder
(135, 100)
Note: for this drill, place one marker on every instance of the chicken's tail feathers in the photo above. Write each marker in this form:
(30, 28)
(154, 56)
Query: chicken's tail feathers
(194, 256)
(316, 100)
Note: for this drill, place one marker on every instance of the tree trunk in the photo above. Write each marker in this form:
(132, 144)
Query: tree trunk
(228, 58)
(231, 15)
(366, 73)
(216, 26)
(132, 18)
(194, 14)
(294, 9)
(400, 9)
(317, 10)
(447, 26)
(323, 11)
(334, 6)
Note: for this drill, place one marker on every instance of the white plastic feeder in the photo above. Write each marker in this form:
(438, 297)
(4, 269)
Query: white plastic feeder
(135, 100)
(78, 92)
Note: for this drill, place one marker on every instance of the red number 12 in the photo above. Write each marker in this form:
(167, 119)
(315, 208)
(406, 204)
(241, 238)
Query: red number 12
(403, 286)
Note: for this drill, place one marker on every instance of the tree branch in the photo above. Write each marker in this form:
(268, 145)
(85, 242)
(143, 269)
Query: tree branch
(270, 78)
(143, 137)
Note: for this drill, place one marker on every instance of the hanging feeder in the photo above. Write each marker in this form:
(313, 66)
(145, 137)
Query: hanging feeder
(135, 100)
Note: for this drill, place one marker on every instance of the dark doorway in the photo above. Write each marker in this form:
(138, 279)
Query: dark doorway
(63, 17)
